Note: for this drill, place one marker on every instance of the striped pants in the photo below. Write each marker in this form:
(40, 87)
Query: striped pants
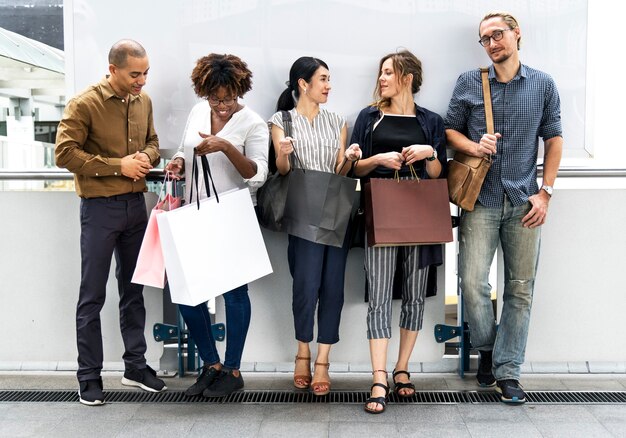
(380, 265)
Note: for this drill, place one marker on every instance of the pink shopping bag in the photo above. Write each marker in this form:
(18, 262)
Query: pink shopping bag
(150, 268)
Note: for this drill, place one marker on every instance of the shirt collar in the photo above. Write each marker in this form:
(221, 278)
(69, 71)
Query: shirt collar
(107, 90)
(521, 73)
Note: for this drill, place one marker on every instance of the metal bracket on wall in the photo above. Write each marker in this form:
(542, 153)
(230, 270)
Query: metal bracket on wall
(444, 333)
(169, 332)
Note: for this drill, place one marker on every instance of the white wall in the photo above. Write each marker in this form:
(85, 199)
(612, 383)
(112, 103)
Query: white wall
(40, 276)
(40, 272)
(576, 325)
(579, 302)
(605, 114)
(350, 35)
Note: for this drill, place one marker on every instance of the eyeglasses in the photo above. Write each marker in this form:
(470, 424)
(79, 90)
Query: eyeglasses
(228, 101)
(496, 36)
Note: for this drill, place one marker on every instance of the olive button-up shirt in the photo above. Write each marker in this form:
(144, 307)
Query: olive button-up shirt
(98, 129)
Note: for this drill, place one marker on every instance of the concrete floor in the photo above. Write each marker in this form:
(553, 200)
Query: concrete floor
(314, 420)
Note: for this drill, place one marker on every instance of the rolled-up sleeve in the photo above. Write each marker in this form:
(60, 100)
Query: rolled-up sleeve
(256, 149)
(551, 121)
(458, 111)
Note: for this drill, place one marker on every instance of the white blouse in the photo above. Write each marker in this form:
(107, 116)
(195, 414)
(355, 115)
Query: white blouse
(246, 131)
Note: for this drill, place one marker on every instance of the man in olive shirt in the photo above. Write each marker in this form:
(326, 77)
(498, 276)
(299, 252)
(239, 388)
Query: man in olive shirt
(107, 139)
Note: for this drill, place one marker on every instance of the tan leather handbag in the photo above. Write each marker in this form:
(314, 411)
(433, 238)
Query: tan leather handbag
(465, 172)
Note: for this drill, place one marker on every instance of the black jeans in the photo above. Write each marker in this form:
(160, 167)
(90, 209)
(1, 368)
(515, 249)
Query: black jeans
(113, 225)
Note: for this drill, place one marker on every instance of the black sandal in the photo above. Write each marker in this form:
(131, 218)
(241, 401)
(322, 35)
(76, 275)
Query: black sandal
(397, 386)
(378, 400)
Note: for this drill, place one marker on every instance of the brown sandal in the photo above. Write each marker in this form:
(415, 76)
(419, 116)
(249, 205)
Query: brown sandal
(321, 383)
(302, 381)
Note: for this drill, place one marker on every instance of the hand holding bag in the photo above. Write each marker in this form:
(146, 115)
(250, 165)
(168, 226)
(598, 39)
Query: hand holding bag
(150, 267)
(467, 173)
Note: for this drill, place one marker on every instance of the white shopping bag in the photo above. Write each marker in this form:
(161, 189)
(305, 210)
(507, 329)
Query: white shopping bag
(213, 248)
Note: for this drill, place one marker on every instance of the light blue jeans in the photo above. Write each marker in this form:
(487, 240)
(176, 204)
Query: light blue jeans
(481, 231)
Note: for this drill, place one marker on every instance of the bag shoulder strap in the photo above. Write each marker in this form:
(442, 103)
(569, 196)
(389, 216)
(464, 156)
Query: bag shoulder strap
(287, 128)
(484, 73)
(271, 152)
(286, 122)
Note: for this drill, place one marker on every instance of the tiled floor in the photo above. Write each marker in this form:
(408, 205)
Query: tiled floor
(317, 420)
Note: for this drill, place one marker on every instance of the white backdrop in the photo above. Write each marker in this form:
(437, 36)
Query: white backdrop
(579, 301)
(350, 35)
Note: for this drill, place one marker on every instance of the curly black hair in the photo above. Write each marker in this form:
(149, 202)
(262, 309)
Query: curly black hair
(214, 71)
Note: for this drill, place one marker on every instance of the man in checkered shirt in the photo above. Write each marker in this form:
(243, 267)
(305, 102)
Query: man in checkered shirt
(511, 206)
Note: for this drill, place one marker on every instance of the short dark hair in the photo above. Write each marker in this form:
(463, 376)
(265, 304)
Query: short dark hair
(214, 71)
(303, 68)
(121, 50)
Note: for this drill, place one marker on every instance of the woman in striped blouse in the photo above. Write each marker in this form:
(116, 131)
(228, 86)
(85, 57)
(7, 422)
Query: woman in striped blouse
(319, 138)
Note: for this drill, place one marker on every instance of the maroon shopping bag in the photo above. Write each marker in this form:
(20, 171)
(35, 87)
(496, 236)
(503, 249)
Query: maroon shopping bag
(407, 212)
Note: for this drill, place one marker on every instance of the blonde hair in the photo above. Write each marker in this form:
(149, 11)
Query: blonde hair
(509, 19)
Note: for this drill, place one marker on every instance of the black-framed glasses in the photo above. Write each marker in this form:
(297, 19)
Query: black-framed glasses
(228, 101)
(496, 36)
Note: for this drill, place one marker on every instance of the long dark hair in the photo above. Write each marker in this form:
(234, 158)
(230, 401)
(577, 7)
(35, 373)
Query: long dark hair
(304, 68)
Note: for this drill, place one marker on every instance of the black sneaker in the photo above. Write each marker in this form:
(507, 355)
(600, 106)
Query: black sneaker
(225, 383)
(90, 392)
(511, 391)
(144, 378)
(484, 375)
(207, 376)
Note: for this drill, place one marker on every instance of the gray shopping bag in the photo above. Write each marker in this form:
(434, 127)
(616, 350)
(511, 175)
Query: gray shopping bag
(318, 206)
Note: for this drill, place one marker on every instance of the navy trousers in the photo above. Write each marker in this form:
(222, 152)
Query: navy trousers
(318, 273)
(113, 225)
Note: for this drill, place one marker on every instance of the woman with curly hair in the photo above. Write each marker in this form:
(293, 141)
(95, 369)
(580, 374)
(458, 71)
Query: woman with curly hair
(234, 138)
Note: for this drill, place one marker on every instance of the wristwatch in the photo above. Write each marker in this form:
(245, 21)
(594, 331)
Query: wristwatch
(434, 157)
(548, 189)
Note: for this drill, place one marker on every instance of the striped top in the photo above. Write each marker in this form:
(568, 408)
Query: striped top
(524, 109)
(317, 144)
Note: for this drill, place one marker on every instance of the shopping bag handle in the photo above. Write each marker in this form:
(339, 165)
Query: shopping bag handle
(167, 178)
(206, 173)
(343, 164)
(396, 174)
(287, 129)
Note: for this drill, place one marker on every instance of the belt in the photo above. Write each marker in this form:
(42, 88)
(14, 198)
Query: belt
(124, 197)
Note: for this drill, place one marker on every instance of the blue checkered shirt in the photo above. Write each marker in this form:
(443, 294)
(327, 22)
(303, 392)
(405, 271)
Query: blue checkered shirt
(526, 108)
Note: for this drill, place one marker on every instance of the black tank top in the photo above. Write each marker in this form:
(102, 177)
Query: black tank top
(391, 134)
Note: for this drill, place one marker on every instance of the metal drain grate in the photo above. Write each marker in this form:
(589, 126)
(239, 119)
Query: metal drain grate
(335, 397)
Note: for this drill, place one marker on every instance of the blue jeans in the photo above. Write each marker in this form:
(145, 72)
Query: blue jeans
(481, 231)
(198, 320)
